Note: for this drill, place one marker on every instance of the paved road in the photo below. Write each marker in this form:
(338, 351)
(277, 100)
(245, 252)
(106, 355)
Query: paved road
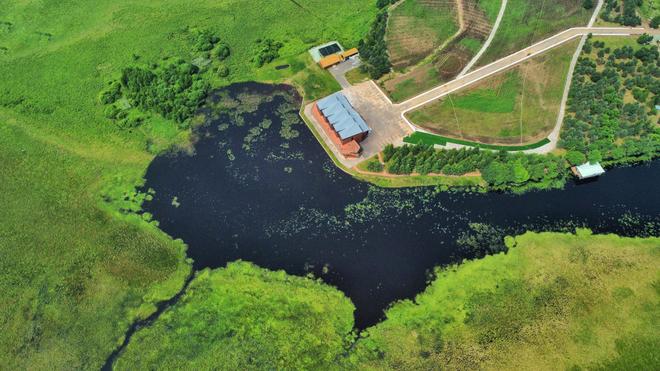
(474, 60)
(339, 71)
(512, 60)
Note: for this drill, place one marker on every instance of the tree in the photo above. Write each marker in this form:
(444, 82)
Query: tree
(575, 157)
(495, 173)
(595, 156)
(655, 22)
(644, 39)
(221, 51)
(520, 173)
(373, 49)
(588, 4)
(383, 3)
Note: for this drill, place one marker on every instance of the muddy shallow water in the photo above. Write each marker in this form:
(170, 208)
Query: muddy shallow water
(260, 188)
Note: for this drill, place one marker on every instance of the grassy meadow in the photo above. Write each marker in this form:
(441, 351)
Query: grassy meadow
(492, 110)
(302, 324)
(526, 22)
(80, 261)
(553, 301)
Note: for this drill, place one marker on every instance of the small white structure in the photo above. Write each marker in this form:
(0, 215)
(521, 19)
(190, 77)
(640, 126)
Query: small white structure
(588, 170)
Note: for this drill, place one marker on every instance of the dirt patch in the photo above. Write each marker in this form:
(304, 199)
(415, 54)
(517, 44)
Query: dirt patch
(447, 62)
(453, 62)
(410, 38)
(477, 24)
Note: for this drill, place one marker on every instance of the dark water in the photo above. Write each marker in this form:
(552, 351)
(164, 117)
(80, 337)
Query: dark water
(282, 204)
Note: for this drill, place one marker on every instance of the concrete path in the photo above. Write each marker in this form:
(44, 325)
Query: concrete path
(339, 71)
(556, 131)
(514, 59)
(490, 38)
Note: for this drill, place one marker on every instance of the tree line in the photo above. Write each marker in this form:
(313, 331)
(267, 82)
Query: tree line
(501, 170)
(373, 48)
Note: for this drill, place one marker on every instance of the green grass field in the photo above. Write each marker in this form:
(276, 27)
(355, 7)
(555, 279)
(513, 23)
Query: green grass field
(302, 325)
(426, 139)
(471, 44)
(526, 22)
(492, 111)
(356, 76)
(553, 301)
(76, 269)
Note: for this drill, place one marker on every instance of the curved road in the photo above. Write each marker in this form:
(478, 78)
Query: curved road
(474, 60)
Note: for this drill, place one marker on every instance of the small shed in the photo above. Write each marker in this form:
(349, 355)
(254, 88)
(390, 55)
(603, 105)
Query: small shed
(588, 170)
(321, 51)
(349, 53)
(331, 60)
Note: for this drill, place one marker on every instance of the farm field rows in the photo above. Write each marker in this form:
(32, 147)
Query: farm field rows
(417, 27)
(514, 107)
(442, 65)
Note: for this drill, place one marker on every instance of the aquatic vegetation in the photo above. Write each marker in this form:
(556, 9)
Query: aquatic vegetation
(562, 300)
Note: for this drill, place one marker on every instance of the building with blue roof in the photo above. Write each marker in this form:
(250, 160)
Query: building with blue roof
(342, 117)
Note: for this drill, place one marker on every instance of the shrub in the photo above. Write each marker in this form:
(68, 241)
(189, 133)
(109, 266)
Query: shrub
(375, 166)
(269, 50)
(223, 71)
(221, 51)
(575, 157)
(655, 22)
(111, 94)
(644, 39)
(204, 40)
(174, 89)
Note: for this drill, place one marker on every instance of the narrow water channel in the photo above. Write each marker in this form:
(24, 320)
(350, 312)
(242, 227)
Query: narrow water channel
(260, 188)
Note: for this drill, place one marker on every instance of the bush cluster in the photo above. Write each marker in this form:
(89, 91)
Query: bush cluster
(268, 51)
(625, 12)
(173, 89)
(600, 125)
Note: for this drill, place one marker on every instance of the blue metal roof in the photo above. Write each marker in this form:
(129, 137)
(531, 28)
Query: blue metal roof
(342, 116)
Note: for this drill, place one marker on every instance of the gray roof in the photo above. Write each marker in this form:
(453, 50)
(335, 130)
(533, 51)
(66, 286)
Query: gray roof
(588, 170)
(342, 116)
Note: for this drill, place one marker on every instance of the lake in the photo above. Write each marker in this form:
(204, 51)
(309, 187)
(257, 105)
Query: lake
(260, 188)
